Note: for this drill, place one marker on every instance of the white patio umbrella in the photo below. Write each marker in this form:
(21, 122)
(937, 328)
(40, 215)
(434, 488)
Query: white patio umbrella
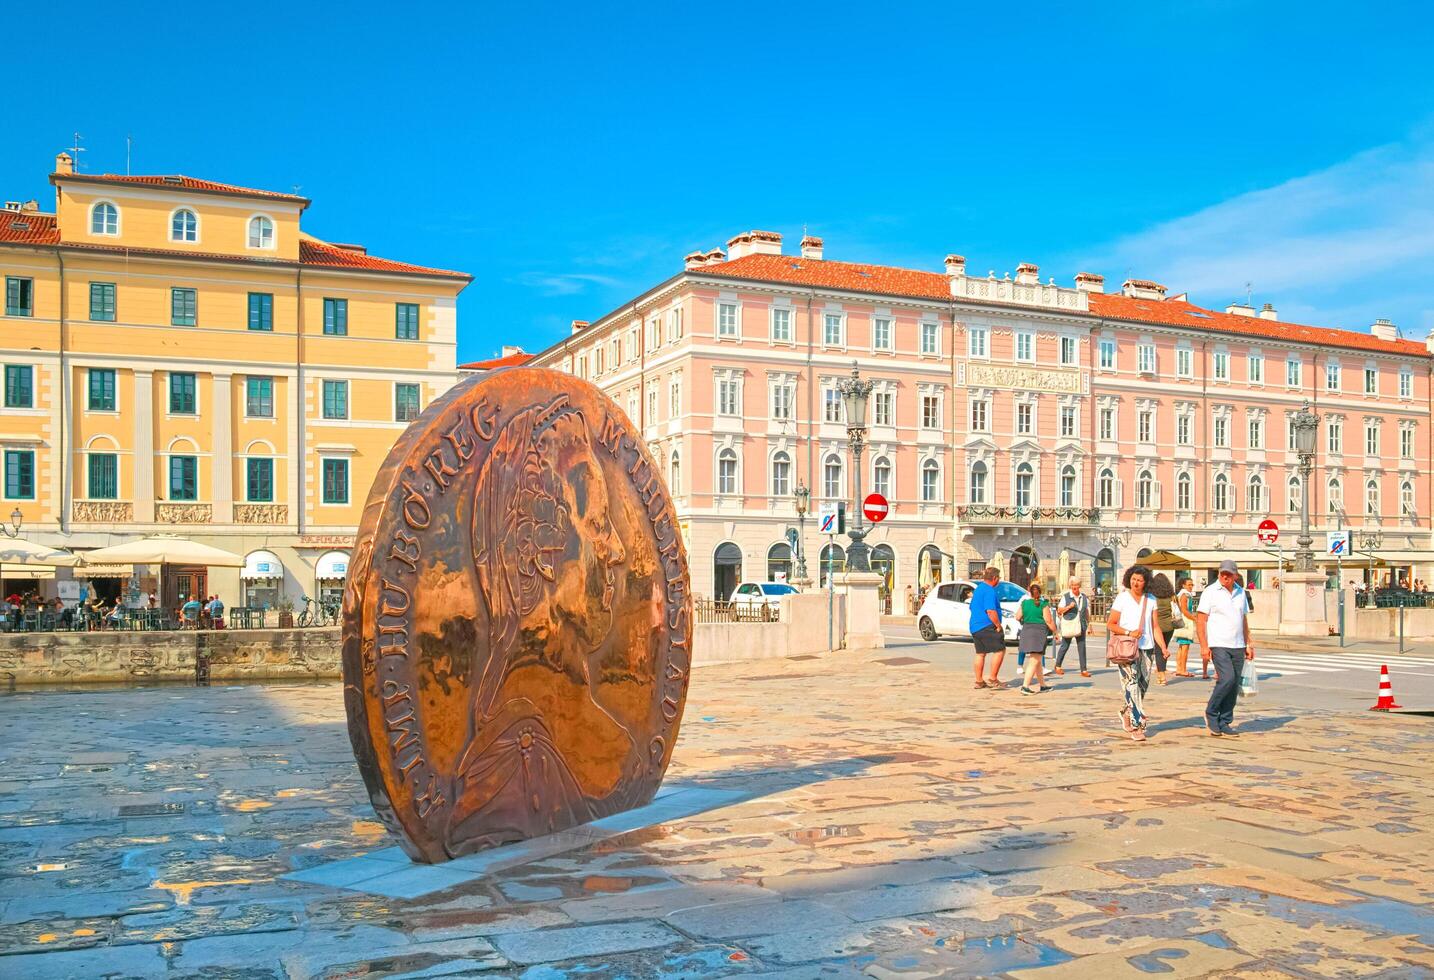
(19, 551)
(165, 550)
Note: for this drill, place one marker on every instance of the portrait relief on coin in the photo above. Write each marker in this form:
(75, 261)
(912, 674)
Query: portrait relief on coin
(517, 620)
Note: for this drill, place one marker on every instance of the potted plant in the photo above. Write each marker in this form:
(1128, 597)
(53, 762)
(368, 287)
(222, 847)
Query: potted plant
(286, 613)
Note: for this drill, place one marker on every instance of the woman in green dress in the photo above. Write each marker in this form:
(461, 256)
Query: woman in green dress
(1037, 625)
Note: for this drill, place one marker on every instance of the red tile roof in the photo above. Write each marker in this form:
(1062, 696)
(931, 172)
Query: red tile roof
(892, 281)
(510, 360)
(179, 182)
(314, 252)
(28, 228)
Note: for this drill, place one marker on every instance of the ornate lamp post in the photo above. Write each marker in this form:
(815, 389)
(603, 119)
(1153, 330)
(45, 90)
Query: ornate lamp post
(854, 394)
(803, 497)
(1306, 426)
(1114, 539)
(15, 518)
(1372, 541)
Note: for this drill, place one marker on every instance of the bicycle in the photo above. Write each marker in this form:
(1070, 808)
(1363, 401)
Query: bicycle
(319, 612)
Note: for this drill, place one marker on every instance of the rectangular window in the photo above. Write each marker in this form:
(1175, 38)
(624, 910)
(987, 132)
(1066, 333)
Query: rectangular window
(1371, 439)
(781, 324)
(102, 477)
(261, 311)
(1146, 357)
(674, 325)
(183, 478)
(885, 408)
(1290, 443)
(1184, 362)
(183, 307)
(19, 296)
(930, 338)
(1257, 433)
(1068, 420)
(259, 398)
(976, 342)
(931, 411)
(881, 333)
(782, 402)
(1293, 373)
(1107, 424)
(674, 397)
(1222, 432)
(1145, 426)
(102, 301)
(726, 319)
(101, 390)
(1068, 351)
(1335, 433)
(1025, 346)
(831, 405)
(1371, 381)
(19, 386)
(336, 481)
(1107, 354)
(181, 393)
(1025, 417)
(651, 403)
(1255, 368)
(1184, 430)
(1406, 443)
(1222, 366)
(831, 330)
(20, 474)
(405, 321)
(336, 317)
(259, 481)
(727, 401)
(405, 402)
(1331, 376)
(979, 417)
(1406, 384)
(336, 399)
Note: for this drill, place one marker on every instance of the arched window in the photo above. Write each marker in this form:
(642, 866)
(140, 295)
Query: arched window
(1221, 501)
(727, 471)
(104, 219)
(1184, 492)
(1294, 493)
(1068, 486)
(779, 562)
(881, 476)
(831, 477)
(1371, 498)
(726, 570)
(184, 226)
(833, 560)
(1025, 480)
(930, 481)
(781, 474)
(674, 474)
(1145, 491)
(1255, 496)
(1406, 499)
(1335, 495)
(978, 482)
(1106, 491)
(261, 232)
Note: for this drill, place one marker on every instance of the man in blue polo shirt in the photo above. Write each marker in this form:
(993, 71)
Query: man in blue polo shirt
(986, 633)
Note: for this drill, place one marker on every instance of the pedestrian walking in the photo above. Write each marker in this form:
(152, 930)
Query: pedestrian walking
(1163, 592)
(1036, 629)
(1185, 633)
(986, 633)
(1222, 624)
(1072, 622)
(1133, 641)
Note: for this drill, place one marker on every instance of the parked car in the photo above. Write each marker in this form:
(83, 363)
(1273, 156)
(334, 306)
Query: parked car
(947, 610)
(760, 597)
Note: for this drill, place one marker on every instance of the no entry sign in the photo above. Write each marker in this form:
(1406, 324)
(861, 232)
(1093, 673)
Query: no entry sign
(874, 508)
(1268, 532)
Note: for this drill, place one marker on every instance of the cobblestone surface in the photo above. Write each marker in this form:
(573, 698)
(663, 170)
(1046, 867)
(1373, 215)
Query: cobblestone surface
(891, 823)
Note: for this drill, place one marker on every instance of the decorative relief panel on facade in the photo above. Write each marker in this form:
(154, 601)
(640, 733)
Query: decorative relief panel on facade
(171, 513)
(103, 512)
(261, 513)
(1009, 376)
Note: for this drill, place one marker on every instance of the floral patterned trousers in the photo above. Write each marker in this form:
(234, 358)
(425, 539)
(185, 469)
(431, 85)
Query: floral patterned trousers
(1135, 681)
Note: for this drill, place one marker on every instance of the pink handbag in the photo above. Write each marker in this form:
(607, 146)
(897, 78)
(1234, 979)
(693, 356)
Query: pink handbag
(1125, 649)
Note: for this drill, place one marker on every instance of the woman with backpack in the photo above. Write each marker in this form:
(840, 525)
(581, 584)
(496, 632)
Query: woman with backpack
(1185, 600)
(1165, 620)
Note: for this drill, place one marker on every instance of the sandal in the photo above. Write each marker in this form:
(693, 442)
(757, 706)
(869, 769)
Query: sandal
(996, 685)
(979, 686)
(1186, 674)
(1125, 721)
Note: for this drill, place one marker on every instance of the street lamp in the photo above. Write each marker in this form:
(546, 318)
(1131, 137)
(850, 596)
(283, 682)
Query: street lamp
(854, 393)
(1306, 426)
(1372, 541)
(15, 518)
(803, 497)
(1114, 539)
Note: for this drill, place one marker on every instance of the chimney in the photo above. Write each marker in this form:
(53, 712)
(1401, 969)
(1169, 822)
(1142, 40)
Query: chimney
(694, 260)
(754, 243)
(715, 256)
(1142, 289)
(509, 350)
(1267, 312)
(1028, 274)
(12, 205)
(1240, 309)
(64, 163)
(811, 247)
(1384, 329)
(1090, 282)
(955, 265)
(31, 205)
(580, 325)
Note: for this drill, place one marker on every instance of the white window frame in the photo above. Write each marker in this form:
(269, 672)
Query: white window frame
(1184, 493)
(932, 401)
(727, 454)
(840, 318)
(1106, 414)
(1184, 429)
(1069, 351)
(729, 397)
(780, 457)
(1255, 432)
(876, 332)
(978, 342)
(929, 330)
(1185, 362)
(1255, 368)
(1145, 358)
(885, 418)
(249, 225)
(1406, 383)
(105, 231)
(1108, 346)
(980, 415)
(1221, 369)
(783, 336)
(1069, 414)
(1025, 419)
(727, 326)
(930, 494)
(1294, 372)
(174, 215)
(1333, 376)
(976, 488)
(1026, 346)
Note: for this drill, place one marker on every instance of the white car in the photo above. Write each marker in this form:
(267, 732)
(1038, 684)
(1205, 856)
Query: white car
(947, 610)
(760, 597)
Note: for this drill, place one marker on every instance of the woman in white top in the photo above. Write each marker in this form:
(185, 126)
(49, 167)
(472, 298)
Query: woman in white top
(1132, 614)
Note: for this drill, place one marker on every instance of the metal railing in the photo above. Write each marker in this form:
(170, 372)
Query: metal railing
(716, 611)
(1040, 516)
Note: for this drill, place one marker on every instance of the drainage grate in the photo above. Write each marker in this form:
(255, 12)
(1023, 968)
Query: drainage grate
(151, 810)
(902, 661)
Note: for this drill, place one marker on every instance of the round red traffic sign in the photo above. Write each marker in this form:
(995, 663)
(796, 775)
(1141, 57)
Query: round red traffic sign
(1268, 532)
(874, 507)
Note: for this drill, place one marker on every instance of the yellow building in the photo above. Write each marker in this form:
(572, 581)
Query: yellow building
(179, 356)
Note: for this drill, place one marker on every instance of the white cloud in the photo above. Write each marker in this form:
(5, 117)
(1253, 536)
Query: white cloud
(564, 283)
(1341, 246)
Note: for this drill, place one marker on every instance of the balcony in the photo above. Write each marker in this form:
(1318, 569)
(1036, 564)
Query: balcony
(102, 512)
(982, 515)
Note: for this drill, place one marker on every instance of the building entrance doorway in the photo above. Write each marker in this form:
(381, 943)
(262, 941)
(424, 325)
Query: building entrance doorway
(726, 571)
(1024, 566)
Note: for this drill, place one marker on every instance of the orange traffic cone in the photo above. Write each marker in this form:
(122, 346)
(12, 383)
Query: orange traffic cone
(1386, 692)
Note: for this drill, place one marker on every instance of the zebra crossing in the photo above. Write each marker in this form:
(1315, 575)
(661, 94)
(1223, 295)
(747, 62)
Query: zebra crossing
(1281, 664)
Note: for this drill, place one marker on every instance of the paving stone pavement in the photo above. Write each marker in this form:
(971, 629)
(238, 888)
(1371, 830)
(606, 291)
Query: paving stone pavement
(888, 822)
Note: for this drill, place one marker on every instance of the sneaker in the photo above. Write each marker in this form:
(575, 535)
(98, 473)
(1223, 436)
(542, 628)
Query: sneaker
(1085, 673)
(1213, 731)
(1029, 690)
(1125, 721)
(1137, 736)
(1060, 672)
(1229, 732)
(1044, 688)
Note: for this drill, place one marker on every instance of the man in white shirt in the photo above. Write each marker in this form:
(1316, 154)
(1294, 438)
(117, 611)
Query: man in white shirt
(1223, 628)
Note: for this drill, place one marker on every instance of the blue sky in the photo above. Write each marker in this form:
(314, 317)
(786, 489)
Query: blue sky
(569, 155)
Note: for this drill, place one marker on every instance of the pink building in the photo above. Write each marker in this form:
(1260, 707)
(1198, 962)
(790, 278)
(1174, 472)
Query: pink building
(1012, 421)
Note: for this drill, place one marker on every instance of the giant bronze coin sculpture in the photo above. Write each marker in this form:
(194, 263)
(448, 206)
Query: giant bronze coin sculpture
(517, 621)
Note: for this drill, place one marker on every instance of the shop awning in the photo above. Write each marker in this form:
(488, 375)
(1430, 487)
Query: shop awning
(165, 550)
(103, 570)
(32, 573)
(19, 551)
(332, 566)
(1211, 558)
(260, 565)
(1390, 557)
